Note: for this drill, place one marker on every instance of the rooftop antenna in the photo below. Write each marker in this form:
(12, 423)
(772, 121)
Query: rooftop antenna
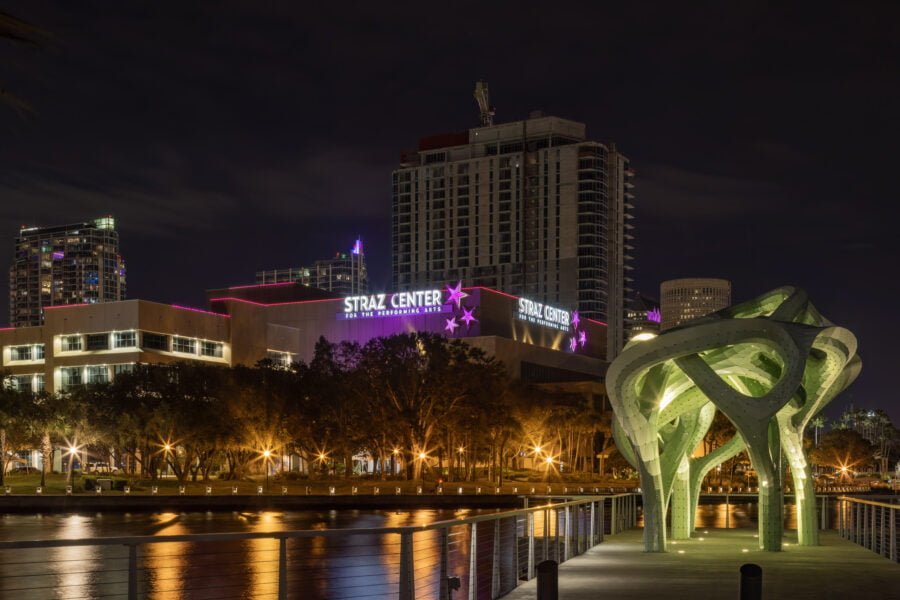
(485, 109)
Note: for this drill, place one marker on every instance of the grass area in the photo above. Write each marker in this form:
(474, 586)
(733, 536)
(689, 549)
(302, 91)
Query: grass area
(56, 485)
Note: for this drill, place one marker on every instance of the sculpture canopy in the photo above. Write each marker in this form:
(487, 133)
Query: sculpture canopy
(770, 365)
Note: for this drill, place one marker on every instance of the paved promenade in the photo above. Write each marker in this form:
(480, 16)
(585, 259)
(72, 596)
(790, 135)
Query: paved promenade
(619, 569)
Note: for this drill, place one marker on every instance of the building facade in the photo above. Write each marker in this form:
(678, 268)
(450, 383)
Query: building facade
(344, 273)
(684, 299)
(92, 343)
(531, 207)
(68, 264)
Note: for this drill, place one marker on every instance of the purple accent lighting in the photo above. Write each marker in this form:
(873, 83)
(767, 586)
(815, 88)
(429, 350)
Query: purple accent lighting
(200, 310)
(59, 255)
(654, 315)
(573, 343)
(357, 247)
(582, 338)
(456, 294)
(394, 312)
(468, 316)
(451, 325)
(575, 319)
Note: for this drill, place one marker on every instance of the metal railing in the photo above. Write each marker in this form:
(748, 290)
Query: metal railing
(870, 523)
(483, 557)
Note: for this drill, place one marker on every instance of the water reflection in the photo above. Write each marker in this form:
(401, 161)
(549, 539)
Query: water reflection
(75, 562)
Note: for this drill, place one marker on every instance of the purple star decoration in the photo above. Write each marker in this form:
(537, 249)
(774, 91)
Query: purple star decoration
(468, 317)
(582, 338)
(573, 343)
(456, 294)
(451, 325)
(575, 319)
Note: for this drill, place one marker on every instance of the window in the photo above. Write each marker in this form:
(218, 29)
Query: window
(213, 349)
(184, 345)
(281, 360)
(39, 352)
(21, 353)
(97, 374)
(20, 383)
(124, 339)
(71, 376)
(38, 383)
(97, 341)
(154, 341)
(71, 343)
(122, 369)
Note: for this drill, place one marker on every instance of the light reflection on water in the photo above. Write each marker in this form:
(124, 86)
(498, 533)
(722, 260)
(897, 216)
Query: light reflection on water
(319, 567)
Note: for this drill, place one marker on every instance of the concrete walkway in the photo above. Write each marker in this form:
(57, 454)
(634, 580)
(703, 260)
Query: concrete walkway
(707, 567)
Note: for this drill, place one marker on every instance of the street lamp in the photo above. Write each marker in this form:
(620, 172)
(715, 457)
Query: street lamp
(266, 456)
(72, 451)
(422, 458)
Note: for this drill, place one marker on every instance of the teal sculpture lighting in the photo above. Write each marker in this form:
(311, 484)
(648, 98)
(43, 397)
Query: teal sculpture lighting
(770, 365)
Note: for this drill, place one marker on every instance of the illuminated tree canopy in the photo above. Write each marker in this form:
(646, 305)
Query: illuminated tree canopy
(770, 365)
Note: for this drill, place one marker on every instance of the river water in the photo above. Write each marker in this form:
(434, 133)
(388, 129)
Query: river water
(343, 567)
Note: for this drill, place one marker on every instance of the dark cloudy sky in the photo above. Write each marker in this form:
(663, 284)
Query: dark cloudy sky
(232, 136)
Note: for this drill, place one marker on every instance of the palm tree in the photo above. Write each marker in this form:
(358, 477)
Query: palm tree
(818, 423)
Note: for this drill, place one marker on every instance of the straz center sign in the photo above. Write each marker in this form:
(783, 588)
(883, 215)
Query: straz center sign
(543, 315)
(374, 306)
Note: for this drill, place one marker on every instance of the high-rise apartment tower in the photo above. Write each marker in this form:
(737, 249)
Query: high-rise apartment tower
(68, 264)
(531, 207)
(344, 273)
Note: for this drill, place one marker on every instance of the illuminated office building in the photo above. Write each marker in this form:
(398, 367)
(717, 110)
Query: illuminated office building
(344, 273)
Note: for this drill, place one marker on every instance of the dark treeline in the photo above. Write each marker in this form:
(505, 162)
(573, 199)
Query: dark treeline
(404, 402)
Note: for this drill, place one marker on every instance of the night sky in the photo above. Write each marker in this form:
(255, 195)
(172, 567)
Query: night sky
(228, 137)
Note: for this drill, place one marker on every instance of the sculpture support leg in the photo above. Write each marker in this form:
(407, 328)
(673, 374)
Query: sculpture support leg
(807, 524)
(682, 521)
(654, 511)
(771, 507)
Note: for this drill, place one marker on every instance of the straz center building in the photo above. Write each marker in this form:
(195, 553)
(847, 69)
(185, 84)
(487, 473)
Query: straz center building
(92, 343)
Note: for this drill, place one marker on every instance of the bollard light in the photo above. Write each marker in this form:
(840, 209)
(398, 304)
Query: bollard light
(496, 490)
(234, 490)
(68, 490)
(283, 491)
(459, 491)
(154, 490)
(331, 490)
(308, 489)
(515, 490)
(532, 491)
(419, 490)
(209, 490)
(99, 490)
(477, 490)
(39, 490)
(396, 491)
(181, 490)
(259, 490)
(376, 491)
(127, 490)
(7, 491)
(439, 490)
(353, 490)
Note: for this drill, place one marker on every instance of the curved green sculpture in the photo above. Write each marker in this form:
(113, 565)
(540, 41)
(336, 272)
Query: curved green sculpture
(770, 365)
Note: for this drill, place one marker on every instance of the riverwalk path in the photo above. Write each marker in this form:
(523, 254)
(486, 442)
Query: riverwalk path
(708, 566)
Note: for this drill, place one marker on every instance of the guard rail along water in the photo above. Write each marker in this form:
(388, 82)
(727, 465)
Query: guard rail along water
(871, 523)
(484, 556)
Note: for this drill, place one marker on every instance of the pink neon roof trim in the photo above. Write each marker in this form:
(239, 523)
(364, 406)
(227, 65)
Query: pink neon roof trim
(200, 310)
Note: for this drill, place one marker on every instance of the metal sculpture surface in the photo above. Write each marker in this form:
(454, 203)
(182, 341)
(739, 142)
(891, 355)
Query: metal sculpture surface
(770, 365)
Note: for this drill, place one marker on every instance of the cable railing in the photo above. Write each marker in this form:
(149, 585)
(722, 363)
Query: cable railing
(871, 523)
(475, 558)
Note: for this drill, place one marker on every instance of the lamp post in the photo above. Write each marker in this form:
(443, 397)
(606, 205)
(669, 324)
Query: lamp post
(422, 458)
(72, 450)
(167, 448)
(266, 456)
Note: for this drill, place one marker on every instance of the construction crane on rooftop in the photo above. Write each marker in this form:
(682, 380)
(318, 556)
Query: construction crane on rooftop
(484, 105)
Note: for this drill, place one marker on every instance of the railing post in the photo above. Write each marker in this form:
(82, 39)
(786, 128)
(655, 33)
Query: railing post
(893, 534)
(601, 519)
(529, 524)
(495, 562)
(882, 549)
(556, 541)
(445, 565)
(567, 533)
(407, 583)
(132, 572)
(282, 569)
(592, 537)
(612, 516)
(546, 549)
(473, 561)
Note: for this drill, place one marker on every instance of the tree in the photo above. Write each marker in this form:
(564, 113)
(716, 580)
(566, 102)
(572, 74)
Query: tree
(844, 450)
(23, 34)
